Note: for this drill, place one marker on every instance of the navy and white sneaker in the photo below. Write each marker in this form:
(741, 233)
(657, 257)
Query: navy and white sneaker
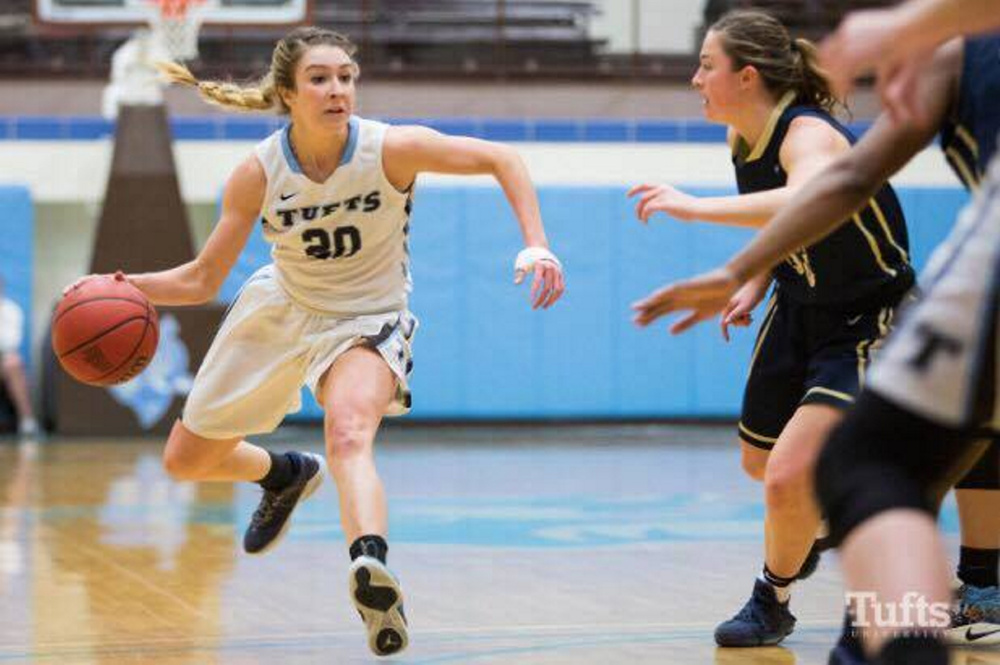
(976, 621)
(378, 598)
(763, 621)
(271, 519)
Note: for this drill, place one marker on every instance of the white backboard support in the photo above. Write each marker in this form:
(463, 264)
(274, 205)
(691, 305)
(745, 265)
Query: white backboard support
(215, 12)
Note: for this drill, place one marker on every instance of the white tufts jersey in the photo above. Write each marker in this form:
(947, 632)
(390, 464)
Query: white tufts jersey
(339, 247)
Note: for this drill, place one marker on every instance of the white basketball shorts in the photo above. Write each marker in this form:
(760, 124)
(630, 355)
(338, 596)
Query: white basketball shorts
(269, 347)
(11, 326)
(940, 362)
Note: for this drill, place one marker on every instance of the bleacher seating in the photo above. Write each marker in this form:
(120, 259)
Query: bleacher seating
(806, 18)
(407, 38)
(463, 37)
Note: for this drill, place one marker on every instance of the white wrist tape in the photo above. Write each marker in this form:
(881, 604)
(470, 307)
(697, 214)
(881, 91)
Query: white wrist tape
(528, 256)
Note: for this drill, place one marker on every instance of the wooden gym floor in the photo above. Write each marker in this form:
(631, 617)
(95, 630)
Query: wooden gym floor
(597, 544)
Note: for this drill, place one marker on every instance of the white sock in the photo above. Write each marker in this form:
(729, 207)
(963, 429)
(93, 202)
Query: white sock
(28, 427)
(783, 593)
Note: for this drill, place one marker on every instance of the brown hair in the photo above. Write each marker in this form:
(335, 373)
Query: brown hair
(262, 96)
(757, 39)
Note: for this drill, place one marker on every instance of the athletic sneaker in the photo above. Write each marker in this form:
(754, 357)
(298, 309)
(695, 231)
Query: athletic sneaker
(271, 519)
(763, 621)
(376, 594)
(976, 621)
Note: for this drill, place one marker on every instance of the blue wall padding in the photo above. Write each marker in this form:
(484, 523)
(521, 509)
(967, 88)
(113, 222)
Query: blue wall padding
(930, 215)
(483, 353)
(17, 256)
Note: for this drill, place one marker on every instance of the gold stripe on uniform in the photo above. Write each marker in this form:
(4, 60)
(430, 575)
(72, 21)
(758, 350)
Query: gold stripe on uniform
(765, 137)
(880, 216)
(862, 362)
(873, 243)
(832, 393)
(885, 321)
(967, 173)
(969, 140)
(772, 306)
(884, 328)
(753, 435)
(866, 347)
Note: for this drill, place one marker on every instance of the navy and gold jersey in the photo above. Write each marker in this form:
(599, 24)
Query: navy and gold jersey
(969, 136)
(863, 263)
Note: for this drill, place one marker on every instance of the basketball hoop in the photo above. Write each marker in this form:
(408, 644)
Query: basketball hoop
(175, 25)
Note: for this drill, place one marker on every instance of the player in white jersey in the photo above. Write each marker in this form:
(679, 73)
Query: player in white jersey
(333, 192)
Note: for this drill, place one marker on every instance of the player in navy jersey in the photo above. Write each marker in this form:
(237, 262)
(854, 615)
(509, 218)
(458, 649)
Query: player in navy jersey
(833, 301)
(959, 94)
(334, 193)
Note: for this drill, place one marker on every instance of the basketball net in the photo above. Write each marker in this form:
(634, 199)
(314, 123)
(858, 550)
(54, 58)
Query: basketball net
(175, 25)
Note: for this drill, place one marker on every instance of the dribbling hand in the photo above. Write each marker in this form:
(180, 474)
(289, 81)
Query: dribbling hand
(119, 276)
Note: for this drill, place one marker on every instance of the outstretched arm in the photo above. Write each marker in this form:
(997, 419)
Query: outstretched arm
(198, 281)
(809, 146)
(409, 151)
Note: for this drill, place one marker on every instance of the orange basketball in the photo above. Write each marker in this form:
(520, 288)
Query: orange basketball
(104, 331)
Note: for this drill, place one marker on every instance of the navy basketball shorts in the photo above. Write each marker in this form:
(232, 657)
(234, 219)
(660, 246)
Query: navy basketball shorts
(807, 354)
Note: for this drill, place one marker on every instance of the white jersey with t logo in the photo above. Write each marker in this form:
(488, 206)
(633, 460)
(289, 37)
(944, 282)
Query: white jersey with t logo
(340, 246)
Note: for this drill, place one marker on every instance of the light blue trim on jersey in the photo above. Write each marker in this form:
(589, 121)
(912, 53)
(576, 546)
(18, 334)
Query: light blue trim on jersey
(353, 129)
(286, 147)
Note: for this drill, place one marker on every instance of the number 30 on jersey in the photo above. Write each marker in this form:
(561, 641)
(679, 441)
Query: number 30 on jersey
(345, 241)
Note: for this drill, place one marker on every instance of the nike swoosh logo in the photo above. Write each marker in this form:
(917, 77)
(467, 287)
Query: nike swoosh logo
(285, 197)
(972, 637)
(854, 320)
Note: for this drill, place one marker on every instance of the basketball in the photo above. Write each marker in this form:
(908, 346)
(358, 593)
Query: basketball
(104, 331)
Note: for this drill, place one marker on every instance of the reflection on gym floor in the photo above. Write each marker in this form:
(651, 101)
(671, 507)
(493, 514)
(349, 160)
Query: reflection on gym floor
(593, 544)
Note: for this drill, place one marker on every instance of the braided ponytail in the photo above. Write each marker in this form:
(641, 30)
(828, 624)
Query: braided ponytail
(264, 95)
(228, 95)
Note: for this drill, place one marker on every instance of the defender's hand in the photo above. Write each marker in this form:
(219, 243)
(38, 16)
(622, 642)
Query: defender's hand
(701, 297)
(665, 199)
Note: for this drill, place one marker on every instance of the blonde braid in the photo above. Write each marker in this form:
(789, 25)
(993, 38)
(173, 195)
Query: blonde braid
(261, 97)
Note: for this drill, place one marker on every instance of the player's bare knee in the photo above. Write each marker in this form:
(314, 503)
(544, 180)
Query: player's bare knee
(347, 436)
(181, 460)
(787, 486)
(754, 465)
(178, 465)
